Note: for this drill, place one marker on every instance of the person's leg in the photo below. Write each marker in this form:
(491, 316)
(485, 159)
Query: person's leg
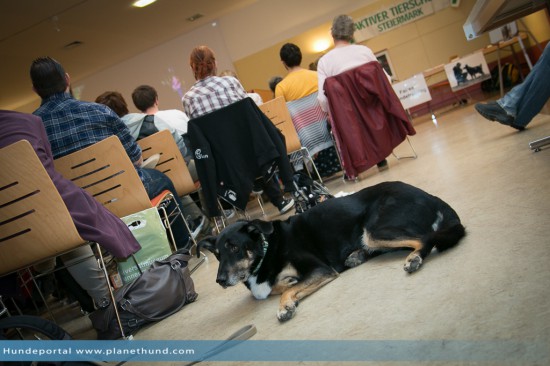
(273, 192)
(82, 265)
(525, 100)
(156, 182)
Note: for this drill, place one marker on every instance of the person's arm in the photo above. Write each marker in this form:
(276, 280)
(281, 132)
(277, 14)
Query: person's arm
(120, 129)
(321, 77)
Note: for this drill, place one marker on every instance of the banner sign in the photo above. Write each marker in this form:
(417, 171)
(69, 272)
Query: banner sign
(413, 91)
(393, 16)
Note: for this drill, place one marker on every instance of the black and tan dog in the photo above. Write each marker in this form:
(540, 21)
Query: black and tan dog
(297, 256)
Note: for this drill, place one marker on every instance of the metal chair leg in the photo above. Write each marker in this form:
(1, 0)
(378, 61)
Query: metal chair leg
(414, 156)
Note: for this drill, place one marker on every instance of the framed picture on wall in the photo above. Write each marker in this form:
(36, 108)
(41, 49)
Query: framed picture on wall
(384, 59)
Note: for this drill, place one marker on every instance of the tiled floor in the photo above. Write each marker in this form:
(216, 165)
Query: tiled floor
(493, 286)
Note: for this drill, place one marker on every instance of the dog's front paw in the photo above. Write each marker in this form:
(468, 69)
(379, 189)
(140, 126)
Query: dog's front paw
(287, 311)
(413, 264)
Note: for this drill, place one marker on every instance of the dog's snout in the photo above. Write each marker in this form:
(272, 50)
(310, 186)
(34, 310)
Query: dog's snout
(222, 280)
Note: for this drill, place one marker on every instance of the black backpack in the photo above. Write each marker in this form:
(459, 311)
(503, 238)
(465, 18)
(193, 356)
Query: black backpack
(147, 127)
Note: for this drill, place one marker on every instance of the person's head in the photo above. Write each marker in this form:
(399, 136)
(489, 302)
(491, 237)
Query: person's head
(203, 62)
(342, 28)
(115, 101)
(229, 73)
(144, 97)
(273, 82)
(291, 55)
(48, 77)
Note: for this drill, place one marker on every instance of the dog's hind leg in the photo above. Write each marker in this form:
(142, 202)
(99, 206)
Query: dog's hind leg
(413, 261)
(309, 284)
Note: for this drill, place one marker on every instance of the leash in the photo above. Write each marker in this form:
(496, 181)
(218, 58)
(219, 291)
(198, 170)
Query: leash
(241, 335)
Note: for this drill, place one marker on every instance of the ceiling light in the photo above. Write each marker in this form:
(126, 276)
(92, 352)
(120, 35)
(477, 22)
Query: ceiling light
(142, 3)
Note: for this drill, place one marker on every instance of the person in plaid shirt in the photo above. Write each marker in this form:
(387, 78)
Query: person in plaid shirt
(72, 125)
(210, 93)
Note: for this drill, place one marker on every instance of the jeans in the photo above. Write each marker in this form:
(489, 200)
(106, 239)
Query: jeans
(526, 100)
(155, 182)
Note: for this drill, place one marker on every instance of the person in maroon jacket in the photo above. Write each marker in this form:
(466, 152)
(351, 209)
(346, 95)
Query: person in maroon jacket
(93, 221)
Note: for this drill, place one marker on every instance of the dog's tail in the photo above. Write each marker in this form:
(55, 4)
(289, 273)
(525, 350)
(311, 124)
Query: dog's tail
(444, 238)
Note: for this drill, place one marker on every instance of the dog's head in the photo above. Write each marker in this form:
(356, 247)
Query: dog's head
(239, 248)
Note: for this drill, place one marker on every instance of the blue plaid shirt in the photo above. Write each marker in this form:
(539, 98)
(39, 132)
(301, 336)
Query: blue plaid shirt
(72, 125)
(212, 93)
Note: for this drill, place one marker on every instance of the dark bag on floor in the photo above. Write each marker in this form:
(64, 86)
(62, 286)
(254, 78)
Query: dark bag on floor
(159, 292)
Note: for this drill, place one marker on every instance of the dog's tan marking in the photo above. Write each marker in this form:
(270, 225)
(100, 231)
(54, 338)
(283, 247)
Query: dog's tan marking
(286, 279)
(413, 261)
(239, 272)
(290, 297)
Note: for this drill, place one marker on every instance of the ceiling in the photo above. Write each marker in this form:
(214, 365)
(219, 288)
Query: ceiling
(89, 35)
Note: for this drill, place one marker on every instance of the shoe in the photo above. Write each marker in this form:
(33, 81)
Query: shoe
(286, 205)
(196, 225)
(257, 189)
(228, 213)
(383, 165)
(494, 112)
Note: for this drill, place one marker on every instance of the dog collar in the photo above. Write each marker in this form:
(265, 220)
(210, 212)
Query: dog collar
(265, 244)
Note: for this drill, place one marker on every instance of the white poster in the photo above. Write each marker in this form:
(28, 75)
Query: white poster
(468, 70)
(413, 91)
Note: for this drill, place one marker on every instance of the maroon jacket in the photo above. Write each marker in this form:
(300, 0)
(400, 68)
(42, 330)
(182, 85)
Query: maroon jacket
(93, 221)
(367, 118)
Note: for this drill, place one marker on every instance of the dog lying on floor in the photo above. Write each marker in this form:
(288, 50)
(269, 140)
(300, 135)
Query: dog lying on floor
(297, 256)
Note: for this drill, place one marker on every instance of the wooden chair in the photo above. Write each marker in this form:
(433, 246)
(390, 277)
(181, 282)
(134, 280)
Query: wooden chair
(106, 172)
(277, 111)
(171, 161)
(35, 223)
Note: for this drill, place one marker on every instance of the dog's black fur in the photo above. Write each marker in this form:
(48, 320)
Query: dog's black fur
(297, 256)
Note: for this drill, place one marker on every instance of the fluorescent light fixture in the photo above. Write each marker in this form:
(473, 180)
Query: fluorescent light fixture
(142, 3)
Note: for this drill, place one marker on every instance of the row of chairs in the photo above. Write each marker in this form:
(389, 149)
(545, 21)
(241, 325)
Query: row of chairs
(35, 222)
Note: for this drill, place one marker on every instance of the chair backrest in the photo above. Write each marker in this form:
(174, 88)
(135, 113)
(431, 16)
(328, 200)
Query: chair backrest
(171, 161)
(34, 221)
(310, 122)
(277, 111)
(106, 172)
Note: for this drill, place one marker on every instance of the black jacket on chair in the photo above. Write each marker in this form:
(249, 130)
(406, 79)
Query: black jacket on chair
(232, 146)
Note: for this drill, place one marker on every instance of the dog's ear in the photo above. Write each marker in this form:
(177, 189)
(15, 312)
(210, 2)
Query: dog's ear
(264, 227)
(208, 243)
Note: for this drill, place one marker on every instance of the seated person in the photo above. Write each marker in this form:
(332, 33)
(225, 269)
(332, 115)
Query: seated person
(345, 55)
(257, 98)
(517, 108)
(151, 119)
(299, 82)
(273, 83)
(211, 92)
(93, 221)
(72, 125)
(135, 121)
